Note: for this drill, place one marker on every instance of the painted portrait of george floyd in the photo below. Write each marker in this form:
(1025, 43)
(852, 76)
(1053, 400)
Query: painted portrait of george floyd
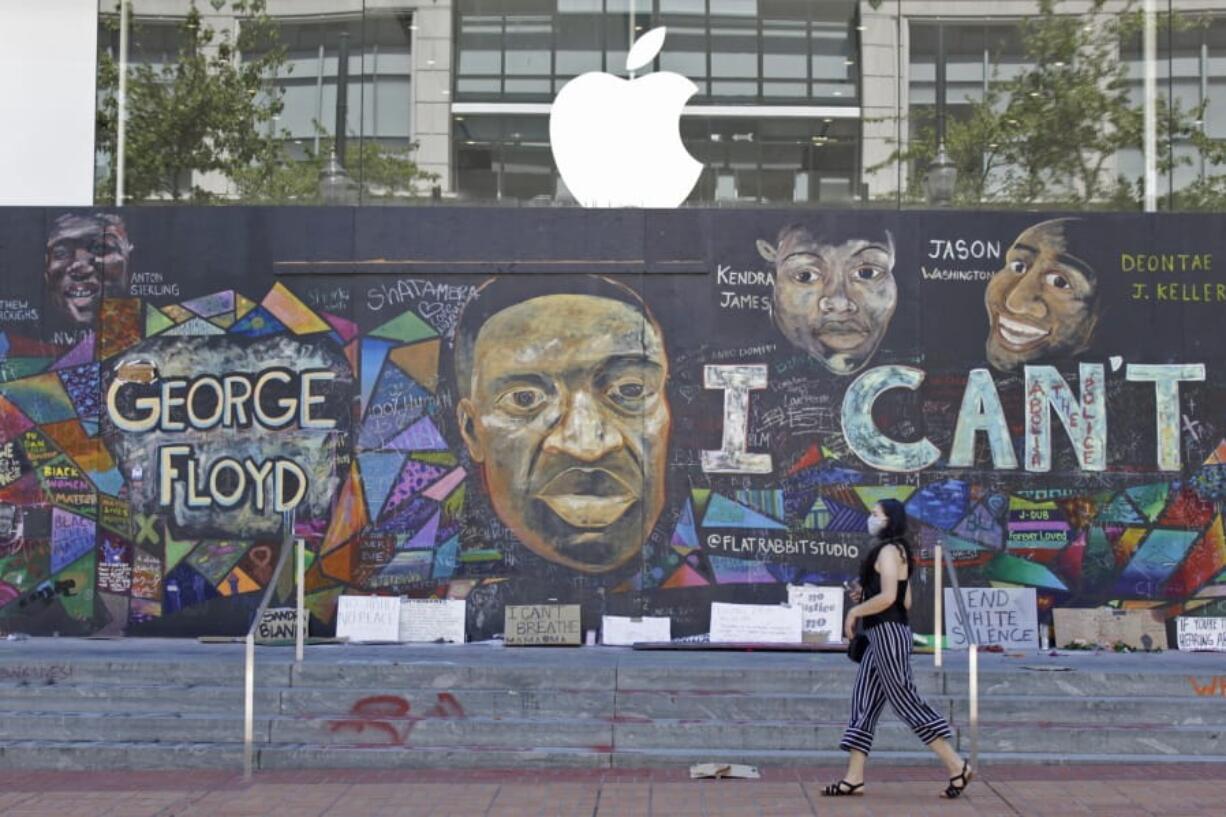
(560, 402)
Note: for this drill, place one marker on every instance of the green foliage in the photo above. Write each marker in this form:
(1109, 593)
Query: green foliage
(206, 112)
(1048, 135)
(385, 175)
(213, 110)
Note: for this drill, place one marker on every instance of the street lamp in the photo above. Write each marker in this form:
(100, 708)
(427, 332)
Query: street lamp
(941, 179)
(335, 186)
(942, 175)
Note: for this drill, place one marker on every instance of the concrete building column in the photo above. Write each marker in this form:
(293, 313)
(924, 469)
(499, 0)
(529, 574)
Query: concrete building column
(431, 88)
(882, 80)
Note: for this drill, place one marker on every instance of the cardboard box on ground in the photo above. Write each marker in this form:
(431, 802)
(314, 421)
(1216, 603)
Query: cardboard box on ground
(1107, 626)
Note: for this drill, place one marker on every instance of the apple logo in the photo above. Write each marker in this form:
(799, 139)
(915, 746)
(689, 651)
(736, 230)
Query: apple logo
(617, 142)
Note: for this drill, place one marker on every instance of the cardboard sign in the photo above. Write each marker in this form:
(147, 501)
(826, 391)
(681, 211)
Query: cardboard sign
(529, 625)
(432, 620)
(1107, 626)
(621, 631)
(1008, 617)
(1201, 633)
(822, 609)
(368, 618)
(277, 624)
(755, 624)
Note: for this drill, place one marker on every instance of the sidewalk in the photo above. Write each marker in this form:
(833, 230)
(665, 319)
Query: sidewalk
(1003, 791)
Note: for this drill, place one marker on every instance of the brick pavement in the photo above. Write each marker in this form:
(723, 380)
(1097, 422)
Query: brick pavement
(1003, 791)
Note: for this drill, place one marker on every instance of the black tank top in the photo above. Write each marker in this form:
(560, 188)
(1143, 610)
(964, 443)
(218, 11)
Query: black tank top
(870, 580)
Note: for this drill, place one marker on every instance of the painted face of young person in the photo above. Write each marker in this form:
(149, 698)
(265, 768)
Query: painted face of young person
(1043, 303)
(87, 257)
(833, 300)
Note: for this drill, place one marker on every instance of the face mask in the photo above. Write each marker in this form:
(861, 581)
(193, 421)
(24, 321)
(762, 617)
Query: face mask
(876, 525)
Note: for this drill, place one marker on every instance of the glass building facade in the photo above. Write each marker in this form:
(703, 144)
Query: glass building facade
(798, 102)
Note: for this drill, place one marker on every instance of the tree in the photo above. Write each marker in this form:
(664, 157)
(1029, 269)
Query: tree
(385, 175)
(1049, 134)
(213, 110)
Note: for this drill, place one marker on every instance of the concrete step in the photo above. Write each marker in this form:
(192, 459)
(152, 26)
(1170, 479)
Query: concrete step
(120, 755)
(511, 703)
(1094, 738)
(452, 677)
(1098, 711)
(482, 733)
(223, 672)
(802, 736)
(738, 706)
(814, 681)
(194, 729)
(144, 698)
(291, 756)
(102, 755)
(658, 758)
(1082, 684)
(443, 730)
(319, 702)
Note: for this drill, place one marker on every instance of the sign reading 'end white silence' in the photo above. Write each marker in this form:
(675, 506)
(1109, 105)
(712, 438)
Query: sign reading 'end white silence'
(996, 615)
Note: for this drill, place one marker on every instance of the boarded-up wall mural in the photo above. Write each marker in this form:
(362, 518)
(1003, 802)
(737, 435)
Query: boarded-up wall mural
(640, 412)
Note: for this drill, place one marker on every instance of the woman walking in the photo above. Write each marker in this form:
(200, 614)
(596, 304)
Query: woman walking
(882, 601)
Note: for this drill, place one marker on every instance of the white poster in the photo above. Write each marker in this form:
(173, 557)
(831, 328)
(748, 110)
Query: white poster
(368, 618)
(1008, 617)
(822, 609)
(432, 620)
(622, 631)
(755, 624)
(1201, 633)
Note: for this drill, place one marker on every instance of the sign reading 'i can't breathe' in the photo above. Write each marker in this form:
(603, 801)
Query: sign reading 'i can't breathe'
(538, 625)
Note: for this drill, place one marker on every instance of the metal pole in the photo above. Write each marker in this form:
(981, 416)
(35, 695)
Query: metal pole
(1150, 149)
(972, 657)
(940, 82)
(249, 707)
(374, 91)
(342, 95)
(121, 126)
(630, 26)
(1204, 95)
(299, 576)
(937, 607)
(319, 97)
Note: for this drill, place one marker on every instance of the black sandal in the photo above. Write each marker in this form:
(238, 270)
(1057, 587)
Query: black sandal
(842, 789)
(954, 790)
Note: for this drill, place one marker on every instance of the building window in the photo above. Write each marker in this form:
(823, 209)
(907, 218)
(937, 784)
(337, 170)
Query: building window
(746, 51)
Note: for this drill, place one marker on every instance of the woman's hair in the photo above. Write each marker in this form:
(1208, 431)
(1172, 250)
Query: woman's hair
(896, 514)
(895, 532)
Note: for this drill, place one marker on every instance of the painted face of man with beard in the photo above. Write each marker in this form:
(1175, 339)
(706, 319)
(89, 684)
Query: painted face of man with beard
(565, 411)
(87, 257)
(833, 300)
(1044, 302)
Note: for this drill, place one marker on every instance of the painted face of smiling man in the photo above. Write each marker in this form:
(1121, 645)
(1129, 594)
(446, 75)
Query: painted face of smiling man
(1044, 302)
(87, 257)
(563, 407)
(834, 301)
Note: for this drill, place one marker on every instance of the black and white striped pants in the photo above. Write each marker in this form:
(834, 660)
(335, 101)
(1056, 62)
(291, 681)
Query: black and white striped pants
(885, 675)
